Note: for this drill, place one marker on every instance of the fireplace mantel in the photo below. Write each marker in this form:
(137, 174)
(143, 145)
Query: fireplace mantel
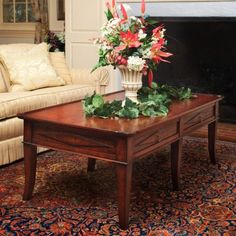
(185, 8)
(158, 1)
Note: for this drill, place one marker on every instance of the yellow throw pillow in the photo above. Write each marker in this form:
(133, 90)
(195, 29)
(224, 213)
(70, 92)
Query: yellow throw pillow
(59, 64)
(32, 69)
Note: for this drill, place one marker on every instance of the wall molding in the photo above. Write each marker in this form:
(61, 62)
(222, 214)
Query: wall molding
(16, 34)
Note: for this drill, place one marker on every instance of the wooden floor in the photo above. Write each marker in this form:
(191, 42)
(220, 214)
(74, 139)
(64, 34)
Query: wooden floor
(225, 132)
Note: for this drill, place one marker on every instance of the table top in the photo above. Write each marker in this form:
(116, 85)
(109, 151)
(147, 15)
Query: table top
(72, 114)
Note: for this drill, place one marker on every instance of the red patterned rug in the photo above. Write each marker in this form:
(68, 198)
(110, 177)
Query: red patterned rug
(68, 201)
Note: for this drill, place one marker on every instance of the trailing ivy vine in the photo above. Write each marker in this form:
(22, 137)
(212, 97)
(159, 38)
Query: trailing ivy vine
(153, 101)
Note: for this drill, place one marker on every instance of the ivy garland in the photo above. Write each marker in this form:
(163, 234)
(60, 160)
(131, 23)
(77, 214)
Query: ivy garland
(153, 101)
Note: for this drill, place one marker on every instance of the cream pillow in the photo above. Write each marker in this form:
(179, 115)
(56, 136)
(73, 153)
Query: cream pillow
(59, 64)
(4, 79)
(32, 69)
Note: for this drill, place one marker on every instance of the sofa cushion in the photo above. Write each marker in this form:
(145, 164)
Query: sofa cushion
(59, 64)
(3, 87)
(31, 69)
(10, 128)
(14, 103)
(12, 150)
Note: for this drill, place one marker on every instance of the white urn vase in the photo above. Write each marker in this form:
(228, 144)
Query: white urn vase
(131, 82)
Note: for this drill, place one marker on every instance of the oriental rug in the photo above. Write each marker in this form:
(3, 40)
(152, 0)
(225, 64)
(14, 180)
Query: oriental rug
(69, 201)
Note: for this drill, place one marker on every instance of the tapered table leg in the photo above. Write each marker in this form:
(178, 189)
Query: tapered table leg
(30, 161)
(124, 176)
(91, 164)
(176, 150)
(212, 128)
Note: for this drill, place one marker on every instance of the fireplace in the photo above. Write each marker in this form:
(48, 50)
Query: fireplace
(204, 58)
(202, 37)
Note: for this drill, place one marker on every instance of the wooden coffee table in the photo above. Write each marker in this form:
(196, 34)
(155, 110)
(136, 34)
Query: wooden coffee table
(120, 141)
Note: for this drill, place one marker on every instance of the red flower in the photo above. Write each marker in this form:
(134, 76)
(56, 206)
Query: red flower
(124, 13)
(130, 39)
(143, 7)
(150, 78)
(113, 3)
(157, 31)
(112, 8)
(157, 54)
(121, 60)
(108, 5)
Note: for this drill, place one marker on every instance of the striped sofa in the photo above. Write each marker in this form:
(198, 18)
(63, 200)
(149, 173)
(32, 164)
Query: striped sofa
(11, 103)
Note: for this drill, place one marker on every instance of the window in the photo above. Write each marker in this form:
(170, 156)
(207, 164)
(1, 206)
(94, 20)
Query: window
(17, 11)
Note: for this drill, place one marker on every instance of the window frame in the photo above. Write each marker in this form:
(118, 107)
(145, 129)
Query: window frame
(24, 28)
(28, 29)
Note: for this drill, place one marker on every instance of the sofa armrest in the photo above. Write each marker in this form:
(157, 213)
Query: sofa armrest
(99, 78)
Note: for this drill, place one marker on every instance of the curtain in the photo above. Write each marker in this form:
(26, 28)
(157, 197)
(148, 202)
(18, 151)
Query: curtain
(40, 9)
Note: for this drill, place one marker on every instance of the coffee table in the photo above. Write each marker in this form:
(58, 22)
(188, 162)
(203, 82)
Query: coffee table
(120, 141)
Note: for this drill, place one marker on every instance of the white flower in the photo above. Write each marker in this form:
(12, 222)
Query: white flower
(146, 53)
(61, 37)
(105, 47)
(111, 26)
(134, 18)
(141, 34)
(135, 63)
(113, 23)
(163, 33)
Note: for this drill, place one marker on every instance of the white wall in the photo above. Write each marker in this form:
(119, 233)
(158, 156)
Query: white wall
(84, 19)
(54, 24)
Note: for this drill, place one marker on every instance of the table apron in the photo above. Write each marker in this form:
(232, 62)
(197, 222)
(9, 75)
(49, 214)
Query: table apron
(71, 140)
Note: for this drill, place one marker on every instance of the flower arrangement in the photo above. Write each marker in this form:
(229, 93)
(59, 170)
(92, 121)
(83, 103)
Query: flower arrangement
(125, 41)
(56, 41)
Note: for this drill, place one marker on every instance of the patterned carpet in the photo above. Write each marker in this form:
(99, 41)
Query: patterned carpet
(68, 201)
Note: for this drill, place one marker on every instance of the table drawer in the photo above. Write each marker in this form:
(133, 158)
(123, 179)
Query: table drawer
(198, 117)
(69, 139)
(150, 140)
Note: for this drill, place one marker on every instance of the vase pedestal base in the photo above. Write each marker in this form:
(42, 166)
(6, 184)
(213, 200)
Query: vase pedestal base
(131, 82)
(132, 95)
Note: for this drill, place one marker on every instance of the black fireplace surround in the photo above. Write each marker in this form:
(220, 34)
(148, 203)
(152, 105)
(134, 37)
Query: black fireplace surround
(204, 58)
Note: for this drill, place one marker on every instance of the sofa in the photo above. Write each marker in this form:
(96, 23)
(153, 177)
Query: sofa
(19, 64)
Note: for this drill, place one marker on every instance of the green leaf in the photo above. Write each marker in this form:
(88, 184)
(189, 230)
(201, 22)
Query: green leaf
(104, 111)
(151, 21)
(149, 111)
(116, 106)
(153, 101)
(89, 110)
(129, 103)
(128, 112)
(108, 14)
(97, 101)
(154, 85)
(184, 93)
(88, 100)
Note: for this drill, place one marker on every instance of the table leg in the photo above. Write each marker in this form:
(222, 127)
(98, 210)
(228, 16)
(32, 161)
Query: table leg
(30, 162)
(212, 128)
(176, 149)
(91, 164)
(124, 177)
